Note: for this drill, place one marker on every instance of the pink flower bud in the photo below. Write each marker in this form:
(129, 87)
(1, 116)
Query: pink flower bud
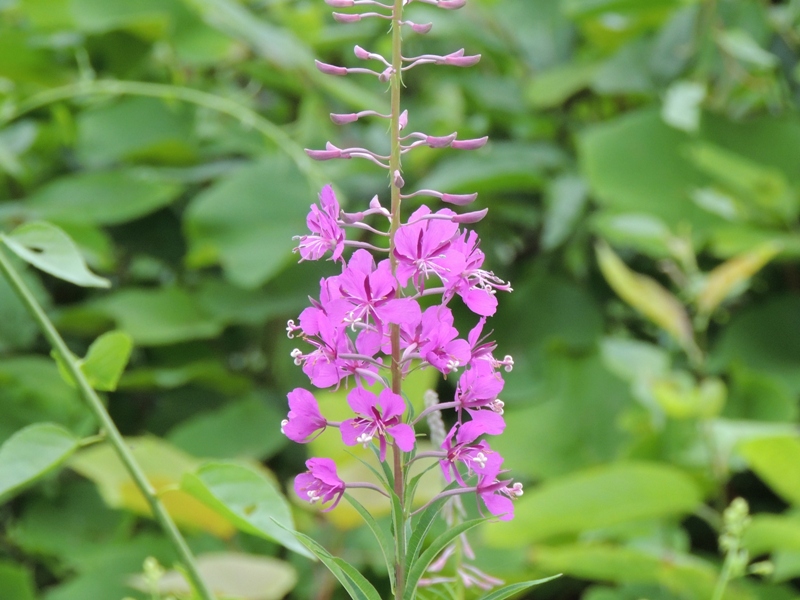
(342, 119)
(447, 4)
(398, 180)
(470, 144)
(440, 142)
(324, 154)
(421, 28)
(386, 75)
(330, 69)
(340, 3)
(462, 61)
(375, 203)
(403, 120)
(471, 217)
(459, 199)
(345, 18)
(360, 53)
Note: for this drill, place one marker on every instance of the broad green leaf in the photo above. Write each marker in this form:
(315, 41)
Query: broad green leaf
(499, 167)
(104, 362)
(768, 533)
(18, 330)
(102, 198)
(32, 453)
(731, 275)
(566, 199)
(164, 466)
(681, 397)
(249, 428)
(640, 231)
(246, 221)
(647, 296)
(599, 497)
(777, 462)
(683, 575)
(354, 582)
(514, 588)
(553, 87)
(16, 581)
(48, 248)
(230, 575)
(155, 317)
(143, 129)
(245, 498)
(417, 568)
(741, 45)
(760, 188)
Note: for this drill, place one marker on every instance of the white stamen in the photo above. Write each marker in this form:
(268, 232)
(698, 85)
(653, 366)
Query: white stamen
(284, 423)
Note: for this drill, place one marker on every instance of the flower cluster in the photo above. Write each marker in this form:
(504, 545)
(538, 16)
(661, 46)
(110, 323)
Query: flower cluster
(389, 309)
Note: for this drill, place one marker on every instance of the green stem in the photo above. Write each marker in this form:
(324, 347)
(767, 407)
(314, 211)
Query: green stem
(395, 166)
(163, 91)
(107, 424)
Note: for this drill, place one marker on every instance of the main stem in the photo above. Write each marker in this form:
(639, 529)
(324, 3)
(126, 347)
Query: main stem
(395, 166)
(113, 434)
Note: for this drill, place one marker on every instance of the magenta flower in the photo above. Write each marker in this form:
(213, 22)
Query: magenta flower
(371, 291)
(320, 483)
(304, 421)
(460, 446)
(420, 246)
(326, 233)
(479, 387)
(495, 494)
(378, 416)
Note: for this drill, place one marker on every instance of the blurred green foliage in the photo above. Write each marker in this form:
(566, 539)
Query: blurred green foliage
(643, 181)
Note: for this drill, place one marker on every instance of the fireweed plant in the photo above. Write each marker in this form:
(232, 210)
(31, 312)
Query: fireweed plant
(368, 329)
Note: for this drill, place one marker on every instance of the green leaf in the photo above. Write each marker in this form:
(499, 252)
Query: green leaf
(230, 575)
(682, 104)
(514, 588)
(566, 199)
(768, 533)
(155, 317)
(246, 498)
(777, 462)
(354, 582)
(105, 361)
(48, 248)
(648, 297)
(136, 128)
(553, 87)
(246, 221)
(102, 198)
(386, 545)
(16, 581)
(417, 568)
(741, 45)
(595, 498)
(32, 453)
(420, 528)
(249, 428)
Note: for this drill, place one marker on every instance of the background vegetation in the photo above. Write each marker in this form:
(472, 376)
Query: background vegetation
(643, 185)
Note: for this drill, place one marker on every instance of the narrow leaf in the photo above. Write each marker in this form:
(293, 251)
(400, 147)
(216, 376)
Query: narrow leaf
(387, 548)
(32, 453)
(354, 582)
(510, 590)
(417, 568)
(421, 528)
(724, 279)
(48, 248)
(647, 296)
(246, 498)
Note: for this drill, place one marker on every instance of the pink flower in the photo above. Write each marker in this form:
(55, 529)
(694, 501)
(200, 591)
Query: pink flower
(495, 494)
(421, 246)
(304, 422)
(479, 387)
(378, 416)
(326, 233)
(320, 483)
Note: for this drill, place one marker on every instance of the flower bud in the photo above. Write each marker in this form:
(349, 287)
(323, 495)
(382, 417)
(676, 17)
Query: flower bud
(330, 69)
(470, 144)
(470, 217)
(361, 53)
(421, 28)
(440, 142)
(346, 18)
(446, 4)
(340, 3)
(342, 119)
(459, 199)
(398, 180)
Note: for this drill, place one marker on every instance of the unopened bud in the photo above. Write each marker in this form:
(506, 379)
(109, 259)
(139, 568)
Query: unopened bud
(471, 217)
(398, 180)
(340, 3)
(441, 141)
(360, 53)
(330, 69)
(342, 119)
(450, 4)
(421, 28)
(403, 119)
(386, 75)
(346, 18)
(459, 199)
(470, 144)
